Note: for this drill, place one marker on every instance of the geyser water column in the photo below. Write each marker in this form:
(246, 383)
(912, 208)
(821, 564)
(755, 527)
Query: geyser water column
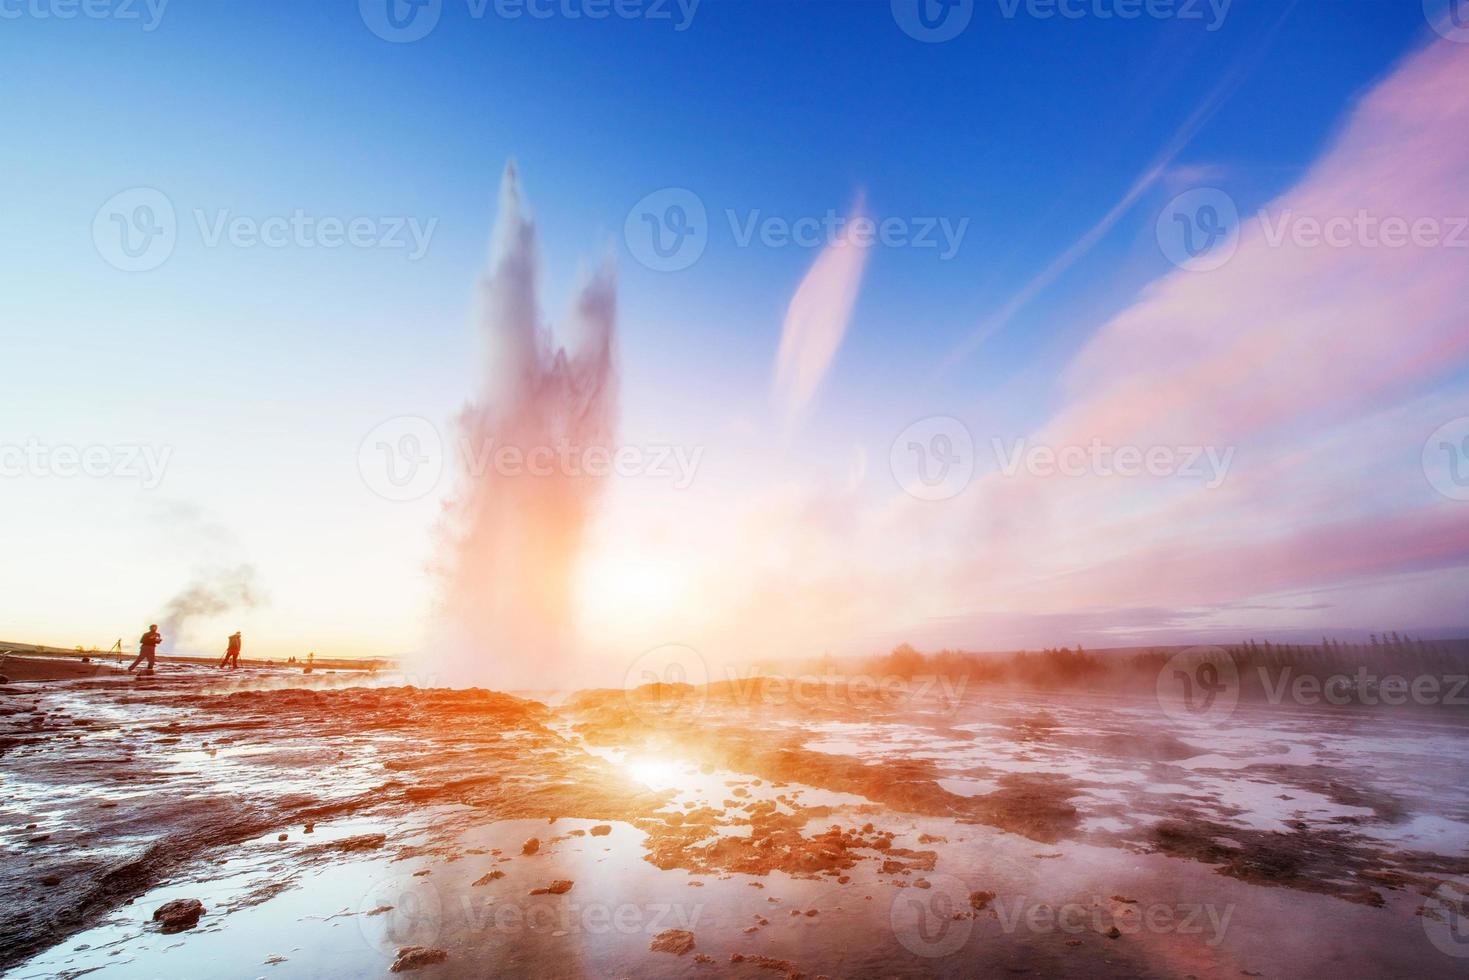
(515, 528)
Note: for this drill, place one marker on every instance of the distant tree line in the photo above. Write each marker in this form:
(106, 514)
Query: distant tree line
(1062, 667)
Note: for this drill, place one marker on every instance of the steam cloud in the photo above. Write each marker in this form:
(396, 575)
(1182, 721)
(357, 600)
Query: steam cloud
(211, 594)
(512, 542)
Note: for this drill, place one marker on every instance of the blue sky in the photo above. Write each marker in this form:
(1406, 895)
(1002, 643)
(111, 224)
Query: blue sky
(264, 368)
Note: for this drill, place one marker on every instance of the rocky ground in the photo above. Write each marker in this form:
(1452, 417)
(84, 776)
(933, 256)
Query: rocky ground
(182, 825)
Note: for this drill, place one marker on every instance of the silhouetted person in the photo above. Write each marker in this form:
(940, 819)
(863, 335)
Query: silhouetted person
(147, 646)
(232, 653)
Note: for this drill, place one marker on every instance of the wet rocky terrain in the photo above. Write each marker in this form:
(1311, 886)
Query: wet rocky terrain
(735, 830)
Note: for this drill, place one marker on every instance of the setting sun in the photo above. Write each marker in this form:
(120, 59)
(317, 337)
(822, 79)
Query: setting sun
(619, 591)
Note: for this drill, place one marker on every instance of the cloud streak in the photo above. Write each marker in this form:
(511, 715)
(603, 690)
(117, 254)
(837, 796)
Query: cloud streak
(816, 322)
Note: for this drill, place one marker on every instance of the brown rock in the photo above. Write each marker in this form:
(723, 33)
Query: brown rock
(558, 887)
(416, 957)
(531, 846)
(492, 876)
(675, 941)
(980, 901)
(178, 915)
(601, 830)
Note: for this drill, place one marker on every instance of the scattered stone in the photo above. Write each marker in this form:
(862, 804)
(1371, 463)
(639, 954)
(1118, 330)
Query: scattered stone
(675, 941)
(422, 874)
(1125, 901)
(416, 957)
(531, 846)
(979, 901)
(492, 876)
(1113, 933)
(282, 836)
(558, 887)
(601, 830)
(922, 883)
(178, 915)
(379, 910)
(273, 960)
(703, 958)
(50, 881)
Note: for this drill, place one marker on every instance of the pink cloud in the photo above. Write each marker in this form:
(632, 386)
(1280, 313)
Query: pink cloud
(1290, 353)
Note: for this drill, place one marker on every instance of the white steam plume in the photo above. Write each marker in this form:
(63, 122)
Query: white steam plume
(514, 534)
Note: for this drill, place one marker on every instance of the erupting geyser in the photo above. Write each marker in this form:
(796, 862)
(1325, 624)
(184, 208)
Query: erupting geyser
(515, 528)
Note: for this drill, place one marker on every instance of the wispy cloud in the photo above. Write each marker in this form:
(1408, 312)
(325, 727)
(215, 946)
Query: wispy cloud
(1144, 182)
(816, 321)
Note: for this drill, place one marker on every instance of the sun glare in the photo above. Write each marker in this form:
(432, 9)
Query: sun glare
(627, 590)
(651, 772)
